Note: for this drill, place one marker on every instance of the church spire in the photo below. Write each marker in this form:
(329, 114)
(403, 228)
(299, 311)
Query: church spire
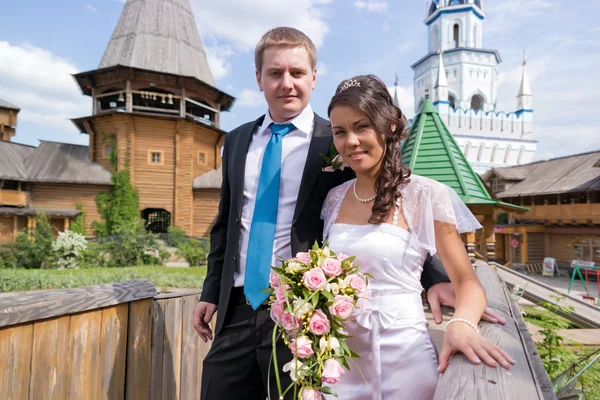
(440, 90)
(524, 96)
(396, 103)
(441, 78)
(160, 36)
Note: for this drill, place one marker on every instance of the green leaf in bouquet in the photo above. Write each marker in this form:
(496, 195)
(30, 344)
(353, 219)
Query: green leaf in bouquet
(315, 300)
(368, 275)
(268, 291)
(353, 354)
(316, 246)
(345, 363)
(328, 390)
(305, 293)
(350, 259)
(328, 295)
(327, 159)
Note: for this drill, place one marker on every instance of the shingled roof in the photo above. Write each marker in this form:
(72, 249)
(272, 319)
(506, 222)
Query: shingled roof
(575, 173)
(6, 104)
(161, 36)
(210, 180)
(431, 151)
(51, 162)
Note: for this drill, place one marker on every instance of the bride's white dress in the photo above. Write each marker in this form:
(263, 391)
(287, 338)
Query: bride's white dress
(398, 359)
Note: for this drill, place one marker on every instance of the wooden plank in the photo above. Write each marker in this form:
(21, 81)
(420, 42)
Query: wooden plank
(139, 350)
(182, 293)
(15, 358)
(171, 377)
(84, 355)
(34, 305)
(463, 380)
(50, 349)
(158, 334)
(113, 349)
(190, 379)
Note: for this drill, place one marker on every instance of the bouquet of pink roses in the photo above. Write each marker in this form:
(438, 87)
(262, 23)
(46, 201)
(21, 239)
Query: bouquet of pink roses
(312, 295)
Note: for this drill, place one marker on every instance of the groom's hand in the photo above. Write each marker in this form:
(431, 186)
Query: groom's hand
(442, 294)
(203, 313)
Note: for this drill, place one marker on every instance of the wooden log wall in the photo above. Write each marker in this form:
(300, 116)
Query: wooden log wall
(527, 379)
(111, 342)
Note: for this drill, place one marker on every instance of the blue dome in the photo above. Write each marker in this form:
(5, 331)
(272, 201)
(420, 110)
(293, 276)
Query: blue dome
(435, 4)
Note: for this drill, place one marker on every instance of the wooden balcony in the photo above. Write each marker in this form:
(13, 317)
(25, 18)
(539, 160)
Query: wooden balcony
(15, 198)
(574, 213)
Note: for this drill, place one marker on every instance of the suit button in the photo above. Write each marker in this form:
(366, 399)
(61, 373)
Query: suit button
(237, 221)
(234, 259)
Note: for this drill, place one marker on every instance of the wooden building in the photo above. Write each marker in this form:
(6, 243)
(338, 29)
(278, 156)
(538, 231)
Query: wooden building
(563, 221)
(431, 151)
(156, 104)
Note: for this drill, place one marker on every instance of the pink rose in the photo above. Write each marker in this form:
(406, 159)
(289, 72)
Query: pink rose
(332, 267)
(342, 306)
(274, 280)
(314, 278)
(276, 311)
(319, 324)
(281, 292)
(302, 347)
(328, 169)
(357, 283)
(332, 371)
(304, 258)
(342, 256)
(310, 394)
(290, 323)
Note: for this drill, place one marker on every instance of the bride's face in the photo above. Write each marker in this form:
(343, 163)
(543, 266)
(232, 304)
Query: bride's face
(356, 139)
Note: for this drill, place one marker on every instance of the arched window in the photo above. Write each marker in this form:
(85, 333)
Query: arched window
(435, 42)
(494, 151)
(478, 73)
(507, 154)
(475, 42)
(452, 101)
(467, 149)
(484, 74)
(455, 34)
(471, 73)
(520, 156)
(480, 152)
(476, 102)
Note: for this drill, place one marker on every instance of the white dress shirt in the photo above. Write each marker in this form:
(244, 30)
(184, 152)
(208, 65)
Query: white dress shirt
(293, 158)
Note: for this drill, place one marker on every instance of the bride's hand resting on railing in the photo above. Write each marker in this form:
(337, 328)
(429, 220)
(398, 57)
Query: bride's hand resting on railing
(461, 337)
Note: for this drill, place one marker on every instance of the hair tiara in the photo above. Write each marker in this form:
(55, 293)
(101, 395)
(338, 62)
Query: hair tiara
(349, 83)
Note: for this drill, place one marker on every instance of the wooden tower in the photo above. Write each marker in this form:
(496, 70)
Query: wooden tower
(8, 120)
(154, 99)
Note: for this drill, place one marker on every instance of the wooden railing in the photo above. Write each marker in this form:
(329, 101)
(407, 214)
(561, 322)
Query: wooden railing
(117, 341)
(122, 341)
(581, 213)
(14, 198)
(527, 379)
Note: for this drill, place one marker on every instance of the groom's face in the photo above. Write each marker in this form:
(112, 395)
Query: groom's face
(287, 80)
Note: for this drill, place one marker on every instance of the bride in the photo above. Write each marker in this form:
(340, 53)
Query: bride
(390, 219)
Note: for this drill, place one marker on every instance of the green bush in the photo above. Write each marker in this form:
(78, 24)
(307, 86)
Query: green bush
(34, 252)
(193, 250)
(176, 236)
(140, 248)
(78, 224)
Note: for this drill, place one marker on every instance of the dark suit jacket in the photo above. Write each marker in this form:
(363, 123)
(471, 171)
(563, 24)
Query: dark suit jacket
(307, 225)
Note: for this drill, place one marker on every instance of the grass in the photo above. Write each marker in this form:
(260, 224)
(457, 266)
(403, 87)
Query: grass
(544, 318)
(27, 279)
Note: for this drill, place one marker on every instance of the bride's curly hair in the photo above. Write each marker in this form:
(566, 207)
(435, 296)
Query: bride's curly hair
(370, 95)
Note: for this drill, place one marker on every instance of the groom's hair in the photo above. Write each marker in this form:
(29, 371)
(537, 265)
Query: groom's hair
(286, 37)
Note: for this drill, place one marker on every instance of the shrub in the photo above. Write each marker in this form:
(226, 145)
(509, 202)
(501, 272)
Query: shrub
(176, 236)
(193, 251)
(131, 249)
(68, 248)
(78, 224)
(34, 252)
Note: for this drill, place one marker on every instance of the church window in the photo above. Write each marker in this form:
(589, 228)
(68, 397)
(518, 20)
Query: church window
(156, 157)
(467, 148)
(435, 40)
(480, 152)
(507, 154)
(454, 73)
(107, 150)
(484, 74)
(452, 101)
(455, 34)
(471, 73)
(520, 156)
(475, 44)
(476, 102)
(494, 151)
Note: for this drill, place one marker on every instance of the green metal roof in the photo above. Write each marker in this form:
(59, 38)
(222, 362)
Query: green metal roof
(431, 151)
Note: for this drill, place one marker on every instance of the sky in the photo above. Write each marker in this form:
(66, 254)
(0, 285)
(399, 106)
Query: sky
(44, 42)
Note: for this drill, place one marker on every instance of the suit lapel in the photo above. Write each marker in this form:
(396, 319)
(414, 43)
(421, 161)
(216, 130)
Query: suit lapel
(240, 154)
(319, 144)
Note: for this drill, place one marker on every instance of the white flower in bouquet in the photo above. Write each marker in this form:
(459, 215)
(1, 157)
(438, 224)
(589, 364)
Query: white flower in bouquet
(296, 369)
(301, 307)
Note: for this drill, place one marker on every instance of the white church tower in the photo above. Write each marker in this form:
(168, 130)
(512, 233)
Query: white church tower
(464, 88)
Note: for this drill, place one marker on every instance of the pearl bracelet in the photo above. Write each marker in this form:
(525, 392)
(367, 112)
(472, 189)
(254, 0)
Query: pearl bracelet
(465, 321)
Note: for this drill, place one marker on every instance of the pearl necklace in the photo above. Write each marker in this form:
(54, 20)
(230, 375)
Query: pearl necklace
(396, 212)
(367, 200)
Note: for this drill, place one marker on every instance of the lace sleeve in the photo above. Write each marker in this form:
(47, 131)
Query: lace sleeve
(332, 205)
(427, 201)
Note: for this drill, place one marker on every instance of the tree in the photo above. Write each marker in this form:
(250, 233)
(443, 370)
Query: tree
(120, 206)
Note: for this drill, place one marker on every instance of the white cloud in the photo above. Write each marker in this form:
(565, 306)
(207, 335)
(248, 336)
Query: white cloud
(512, 13)
(40, 83)
(406, 45)
(321, 69)
(557, 140)
(405, 99)
(242, 22)
(250, 98)
(217, 57)
(371, 5)
(91, 8)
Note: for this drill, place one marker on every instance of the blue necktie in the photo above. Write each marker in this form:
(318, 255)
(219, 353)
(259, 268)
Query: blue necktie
(262, 229)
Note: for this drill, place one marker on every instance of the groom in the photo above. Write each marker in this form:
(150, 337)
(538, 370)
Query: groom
(271, 197)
